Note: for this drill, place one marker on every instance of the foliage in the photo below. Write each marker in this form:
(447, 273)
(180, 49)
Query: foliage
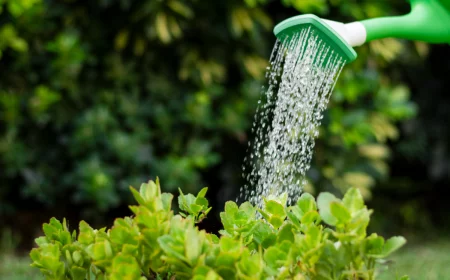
(169, 88)
(326, 239)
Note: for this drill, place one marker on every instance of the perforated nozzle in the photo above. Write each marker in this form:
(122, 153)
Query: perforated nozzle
(293, 25)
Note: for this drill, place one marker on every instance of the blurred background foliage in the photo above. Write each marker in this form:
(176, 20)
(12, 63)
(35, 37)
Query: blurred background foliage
(96, 96)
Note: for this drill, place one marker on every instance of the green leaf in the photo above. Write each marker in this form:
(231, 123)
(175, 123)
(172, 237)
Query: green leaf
(324, 202)
(339, 211)
(185, 202)
(202, 192)
(77, 258)
(393, 244)
(261, 231)
(307, 203)
(166, 199)
(247, 209)
(100, 250)
(310, 217)
(374, 244)
(193, 245)
(312, 236)
(274, 257)
(194, 209)
(121, 39)
(228, 244)
(293, 218)
(286, 233)
(162, 28)
(180, 8)
(150, 190)
(137, 196)
(275, 208)
(121, 233)
(353, 200)
(201, 201)
(78, 273)
(250, 265)
(167, 244)
(390, 246)
(125, 267)
(130, 249)
(41, 241)
(52, 229)
(276, 221)
(269, 240)
(231, 208)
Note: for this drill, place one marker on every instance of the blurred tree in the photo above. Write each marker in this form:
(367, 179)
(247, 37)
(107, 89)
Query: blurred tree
(99, 95)
(420, 173)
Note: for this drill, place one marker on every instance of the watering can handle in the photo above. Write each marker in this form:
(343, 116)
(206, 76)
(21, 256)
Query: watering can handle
(428, 21)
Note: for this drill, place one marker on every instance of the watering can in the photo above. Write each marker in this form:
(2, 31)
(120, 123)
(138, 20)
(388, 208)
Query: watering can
(428, 21)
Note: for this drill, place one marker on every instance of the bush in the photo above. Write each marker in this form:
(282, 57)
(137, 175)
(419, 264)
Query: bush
(326, 239)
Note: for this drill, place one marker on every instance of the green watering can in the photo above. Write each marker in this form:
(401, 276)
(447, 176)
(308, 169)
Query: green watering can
(428, 21)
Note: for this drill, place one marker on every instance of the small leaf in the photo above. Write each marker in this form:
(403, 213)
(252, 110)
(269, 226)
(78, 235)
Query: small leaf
(323, 201)
(228, 244)
(166, 199)
(393, 244)
(137, 196)
(286, 233)
(310, 217)
(162, 28)
(374, 244)
(193, 246)
(201, 201)
(269, 241)
(166, 244)
(274, 257)
(41, 241)
(307, 203)
(231, 208)
(276, 222)
(250, 265)
(275, 208)
(78, 273)
(180, 8)
(293, 218)
(202, 192)
(312, 236)
(125, 267)
(77, 258)
(353, 200)
(121, 40)
(339, 211)
(261, 231)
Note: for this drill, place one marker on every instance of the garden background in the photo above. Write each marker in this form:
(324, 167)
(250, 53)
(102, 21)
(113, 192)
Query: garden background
(96, 96)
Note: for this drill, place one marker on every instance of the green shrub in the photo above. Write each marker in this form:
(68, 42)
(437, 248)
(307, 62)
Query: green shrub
(326, 239)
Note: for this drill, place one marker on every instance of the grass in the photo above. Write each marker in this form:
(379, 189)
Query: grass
(17, 268)
(426, 261)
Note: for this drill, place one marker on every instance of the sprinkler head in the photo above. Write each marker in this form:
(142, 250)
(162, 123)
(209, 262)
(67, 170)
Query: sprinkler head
(293, 25)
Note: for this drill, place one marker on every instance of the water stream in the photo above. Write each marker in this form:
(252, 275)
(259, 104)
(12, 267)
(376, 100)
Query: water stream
(301, 76)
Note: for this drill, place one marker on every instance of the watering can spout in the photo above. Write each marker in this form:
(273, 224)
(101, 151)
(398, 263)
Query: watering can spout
(428, 21)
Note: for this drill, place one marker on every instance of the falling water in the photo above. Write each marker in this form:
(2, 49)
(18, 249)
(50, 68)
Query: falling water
(301, 77)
